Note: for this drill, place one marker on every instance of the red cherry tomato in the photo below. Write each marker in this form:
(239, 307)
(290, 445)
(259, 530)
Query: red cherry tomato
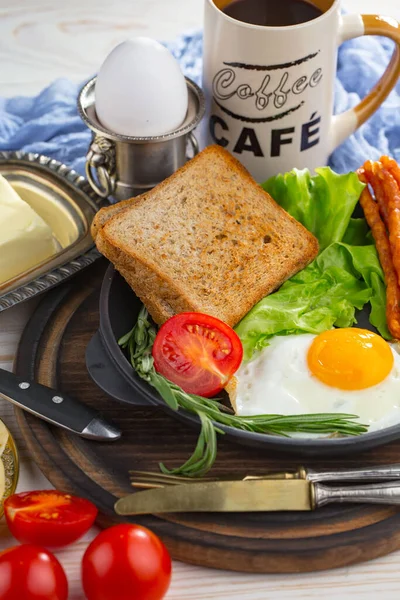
(127, 562)
(31, 573)
(48, 518)
(197, 352)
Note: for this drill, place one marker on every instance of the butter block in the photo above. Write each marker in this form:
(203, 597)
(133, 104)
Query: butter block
(25, 238)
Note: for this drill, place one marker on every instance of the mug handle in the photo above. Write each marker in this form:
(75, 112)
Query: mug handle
(353, 26)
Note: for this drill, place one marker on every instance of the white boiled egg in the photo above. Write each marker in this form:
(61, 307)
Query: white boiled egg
(140, 90)
(349, 371)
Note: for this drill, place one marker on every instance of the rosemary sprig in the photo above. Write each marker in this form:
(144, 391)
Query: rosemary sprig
(139, 342)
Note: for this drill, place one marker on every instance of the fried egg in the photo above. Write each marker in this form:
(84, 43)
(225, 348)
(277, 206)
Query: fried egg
(345, 370)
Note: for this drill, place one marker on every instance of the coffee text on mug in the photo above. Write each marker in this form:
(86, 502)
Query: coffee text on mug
(225, 86)
(257, 94)
(308, 134)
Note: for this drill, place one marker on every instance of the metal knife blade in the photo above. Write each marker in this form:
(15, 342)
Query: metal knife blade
(57, 408)
(221, 496)
(253, 496)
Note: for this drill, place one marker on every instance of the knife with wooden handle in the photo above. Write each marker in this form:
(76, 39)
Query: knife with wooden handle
(254, 495)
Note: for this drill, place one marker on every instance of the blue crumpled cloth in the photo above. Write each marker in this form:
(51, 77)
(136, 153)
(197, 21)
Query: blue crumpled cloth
(49, 123)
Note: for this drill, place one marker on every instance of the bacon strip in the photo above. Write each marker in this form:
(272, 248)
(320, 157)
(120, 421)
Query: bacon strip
(371, 173)
(391, 165)
(392, 193)
(378, 229)
(380, 176)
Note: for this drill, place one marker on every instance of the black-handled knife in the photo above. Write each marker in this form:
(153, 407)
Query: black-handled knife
(57, 408)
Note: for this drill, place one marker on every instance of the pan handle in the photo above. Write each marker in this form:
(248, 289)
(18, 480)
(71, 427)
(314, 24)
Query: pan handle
(106, 376)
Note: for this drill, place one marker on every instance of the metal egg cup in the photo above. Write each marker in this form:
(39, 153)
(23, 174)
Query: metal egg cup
(124, 166)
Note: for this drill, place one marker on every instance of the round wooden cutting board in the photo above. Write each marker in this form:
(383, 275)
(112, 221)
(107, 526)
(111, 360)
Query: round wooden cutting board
(52, 351)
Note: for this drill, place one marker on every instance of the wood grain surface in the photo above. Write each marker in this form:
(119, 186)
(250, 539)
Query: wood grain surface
(35, 49)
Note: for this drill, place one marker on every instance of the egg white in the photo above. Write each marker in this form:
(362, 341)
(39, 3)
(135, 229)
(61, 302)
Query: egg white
(278, 381)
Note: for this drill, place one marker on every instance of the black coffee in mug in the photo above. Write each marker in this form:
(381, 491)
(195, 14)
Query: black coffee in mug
(272, 13)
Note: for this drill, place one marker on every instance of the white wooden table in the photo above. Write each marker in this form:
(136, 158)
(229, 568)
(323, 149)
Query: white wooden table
(41, 40)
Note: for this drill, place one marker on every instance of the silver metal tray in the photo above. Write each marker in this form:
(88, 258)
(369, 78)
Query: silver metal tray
(68, 204)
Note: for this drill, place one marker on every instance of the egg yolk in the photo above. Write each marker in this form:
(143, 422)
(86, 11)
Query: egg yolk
(350, 358)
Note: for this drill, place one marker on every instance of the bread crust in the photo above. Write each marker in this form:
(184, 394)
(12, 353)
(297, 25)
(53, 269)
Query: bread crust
(154, 272)
(106, 212)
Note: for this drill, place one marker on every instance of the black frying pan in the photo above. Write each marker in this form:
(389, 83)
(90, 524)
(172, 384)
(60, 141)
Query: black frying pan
(112, 372)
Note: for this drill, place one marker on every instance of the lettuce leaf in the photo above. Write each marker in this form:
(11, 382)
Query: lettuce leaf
(323, 203)
(344, 277)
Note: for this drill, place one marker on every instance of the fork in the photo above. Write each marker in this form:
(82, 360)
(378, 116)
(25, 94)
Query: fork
(151, 479)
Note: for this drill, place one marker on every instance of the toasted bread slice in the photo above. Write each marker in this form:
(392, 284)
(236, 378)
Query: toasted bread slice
(207, 239)
(104, 214)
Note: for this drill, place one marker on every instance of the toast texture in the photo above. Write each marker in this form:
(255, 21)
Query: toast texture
(207, 239)
(105, 213)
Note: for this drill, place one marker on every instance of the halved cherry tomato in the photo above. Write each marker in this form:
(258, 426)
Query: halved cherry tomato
(49, 518)
(31, 573)
(126, 562)
(197, 352)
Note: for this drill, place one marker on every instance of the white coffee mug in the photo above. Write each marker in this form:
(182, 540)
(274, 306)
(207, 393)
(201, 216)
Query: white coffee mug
(269, 90)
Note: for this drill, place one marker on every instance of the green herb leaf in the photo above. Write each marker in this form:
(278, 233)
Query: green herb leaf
(124, 340)
(164, 389)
